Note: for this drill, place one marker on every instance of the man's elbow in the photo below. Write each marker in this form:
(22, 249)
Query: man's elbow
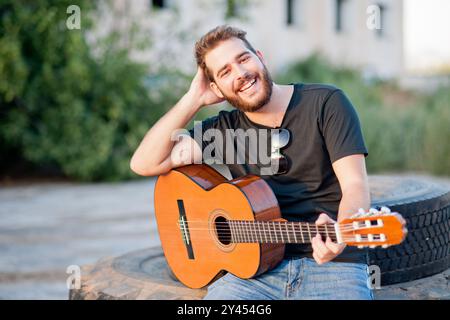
(138, 169)
(143, 170)
(146, 169)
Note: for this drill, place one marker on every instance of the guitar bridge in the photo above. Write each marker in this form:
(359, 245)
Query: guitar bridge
(184, 228)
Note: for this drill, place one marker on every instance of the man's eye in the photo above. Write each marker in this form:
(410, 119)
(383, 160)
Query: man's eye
(225, 73)
(245, 58)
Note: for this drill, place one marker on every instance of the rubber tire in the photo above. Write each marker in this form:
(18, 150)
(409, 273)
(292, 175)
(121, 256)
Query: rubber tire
(137, 275)
(426, 249)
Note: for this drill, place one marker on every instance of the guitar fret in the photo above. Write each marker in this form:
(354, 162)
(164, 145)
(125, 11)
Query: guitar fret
(301, 231)
(281, 231)
(253, 230)
(274, 231)
(260, 234)
(247, 232)
(264, 231)
(287, 232)
(270, 233)
(244, 231)
(293, 231)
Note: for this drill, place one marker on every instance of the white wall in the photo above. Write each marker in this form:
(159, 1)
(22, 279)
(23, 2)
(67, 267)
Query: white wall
(267, 30)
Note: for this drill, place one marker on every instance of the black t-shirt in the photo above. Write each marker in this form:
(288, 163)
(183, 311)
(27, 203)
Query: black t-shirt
(324, 127)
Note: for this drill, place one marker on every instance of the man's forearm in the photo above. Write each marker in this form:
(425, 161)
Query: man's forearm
(157, 144)
(354, 197)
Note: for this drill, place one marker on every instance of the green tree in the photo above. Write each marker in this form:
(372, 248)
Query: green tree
(61, 105)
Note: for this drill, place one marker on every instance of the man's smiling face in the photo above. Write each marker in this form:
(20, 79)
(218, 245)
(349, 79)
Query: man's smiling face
(239, 75)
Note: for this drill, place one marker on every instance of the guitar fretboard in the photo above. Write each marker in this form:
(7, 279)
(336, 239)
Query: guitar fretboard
(277, 231)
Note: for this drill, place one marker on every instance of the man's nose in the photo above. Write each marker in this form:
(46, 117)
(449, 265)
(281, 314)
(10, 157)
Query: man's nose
(241, 72)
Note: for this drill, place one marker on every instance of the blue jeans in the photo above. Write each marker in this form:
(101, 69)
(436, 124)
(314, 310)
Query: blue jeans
(297, 279)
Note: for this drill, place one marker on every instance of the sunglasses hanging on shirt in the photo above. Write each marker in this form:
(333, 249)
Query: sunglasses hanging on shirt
(279, 139)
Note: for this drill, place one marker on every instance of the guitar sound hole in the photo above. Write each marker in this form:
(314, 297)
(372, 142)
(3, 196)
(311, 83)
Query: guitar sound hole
(223, 230)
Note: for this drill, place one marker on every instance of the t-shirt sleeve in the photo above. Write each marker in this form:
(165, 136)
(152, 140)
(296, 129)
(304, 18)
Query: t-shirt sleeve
(209, 136)
(341, 127)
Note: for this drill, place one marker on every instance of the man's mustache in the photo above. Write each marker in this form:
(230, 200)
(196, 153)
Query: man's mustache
(247, 76)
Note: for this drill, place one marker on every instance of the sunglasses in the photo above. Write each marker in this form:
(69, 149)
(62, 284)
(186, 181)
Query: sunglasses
(279, 163)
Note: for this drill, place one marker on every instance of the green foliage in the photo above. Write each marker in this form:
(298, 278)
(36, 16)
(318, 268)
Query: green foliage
(407, 133)
(61, 105)
(83, 110)
(436, 145)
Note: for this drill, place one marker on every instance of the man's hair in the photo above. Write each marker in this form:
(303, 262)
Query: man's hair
(211, 39)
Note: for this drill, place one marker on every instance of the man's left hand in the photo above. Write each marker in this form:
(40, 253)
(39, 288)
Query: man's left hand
(328, 250)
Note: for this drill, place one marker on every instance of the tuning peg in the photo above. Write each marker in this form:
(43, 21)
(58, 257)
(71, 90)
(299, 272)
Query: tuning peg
(385, 210)
(384, 246)
(359, 214)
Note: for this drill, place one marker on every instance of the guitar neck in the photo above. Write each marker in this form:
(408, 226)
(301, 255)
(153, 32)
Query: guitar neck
(278, 231)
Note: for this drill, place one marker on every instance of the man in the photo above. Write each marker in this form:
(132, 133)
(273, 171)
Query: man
(324, 177)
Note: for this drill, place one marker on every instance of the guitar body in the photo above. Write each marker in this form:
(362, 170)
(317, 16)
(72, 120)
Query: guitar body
(191, 204)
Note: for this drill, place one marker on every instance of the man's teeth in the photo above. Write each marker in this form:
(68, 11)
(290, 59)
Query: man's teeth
(248, 85)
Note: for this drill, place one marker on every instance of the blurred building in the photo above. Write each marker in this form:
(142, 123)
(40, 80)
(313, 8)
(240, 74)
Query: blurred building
(284, 30)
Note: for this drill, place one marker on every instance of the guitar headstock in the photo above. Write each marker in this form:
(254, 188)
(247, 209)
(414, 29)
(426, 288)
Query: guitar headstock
(373, 228)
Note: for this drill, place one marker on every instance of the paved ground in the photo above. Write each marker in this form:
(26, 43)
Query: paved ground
(44, 228)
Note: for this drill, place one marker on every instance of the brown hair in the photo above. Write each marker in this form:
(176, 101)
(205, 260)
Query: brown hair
(211, 39)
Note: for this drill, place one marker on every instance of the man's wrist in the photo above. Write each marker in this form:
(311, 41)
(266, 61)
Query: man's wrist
(193, 101)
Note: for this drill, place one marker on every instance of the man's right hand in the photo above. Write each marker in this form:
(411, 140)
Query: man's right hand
(157, 152)
(201, 91)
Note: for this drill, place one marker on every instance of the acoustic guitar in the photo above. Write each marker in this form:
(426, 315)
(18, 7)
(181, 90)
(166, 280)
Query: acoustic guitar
(209, 225)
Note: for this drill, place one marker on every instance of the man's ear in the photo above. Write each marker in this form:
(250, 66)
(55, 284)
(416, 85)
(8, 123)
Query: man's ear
(260, 56)
(215, 89)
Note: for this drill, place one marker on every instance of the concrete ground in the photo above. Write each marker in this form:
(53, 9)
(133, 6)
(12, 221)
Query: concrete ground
(45, 228)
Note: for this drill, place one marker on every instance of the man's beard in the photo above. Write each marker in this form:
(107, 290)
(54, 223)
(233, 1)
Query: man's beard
(266, 81)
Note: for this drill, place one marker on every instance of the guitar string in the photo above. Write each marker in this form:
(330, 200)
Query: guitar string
(254, 234)
(272, 227)
(259, 230)
(241, 236)
(291, 237)
(288, 227)
(287, 223)
(241, 240)
(277, 233)
(296, 223)
(272, 232)
(251, 231)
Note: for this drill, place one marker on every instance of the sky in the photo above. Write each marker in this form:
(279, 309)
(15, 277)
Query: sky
(427, 34)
